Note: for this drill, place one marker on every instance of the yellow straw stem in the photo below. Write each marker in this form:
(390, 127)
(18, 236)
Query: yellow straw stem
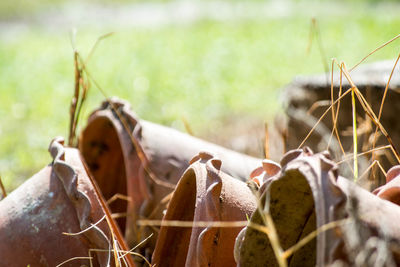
(355, 160)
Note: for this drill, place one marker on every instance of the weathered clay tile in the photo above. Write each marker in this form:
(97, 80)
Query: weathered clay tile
(59, 199)
(309, 194)
(144, 161)
(391, 190)
(204, 194)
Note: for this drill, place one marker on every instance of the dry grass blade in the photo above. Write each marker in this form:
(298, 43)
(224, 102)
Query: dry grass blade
(101, 38)
(275, 243)
(355, 142)
(74, 258)
(311, 236)
(283, 134)
(382, 103)
(269, 227)
(261, 228)
(138, 245)
(266, 141)
(375, 162)
(177, 223)
(310, 36)
(373, 51)
(114, 244)
(90, 255)
(335, 116)
(75, 98)
(90, 227)
(375, 120)
(167, 198)
(385, 92)
(126, 252)
(3, 189)
(351, 156)
(314, 31)
(368, 110)
(111, 223)
(317, 104)
(85, 89)
(118, 196)
(332, 98)
(322, 116)
(354, 119)
(81, 88)
(160, 205)
(119, 215)
(334, 121)
(187, 126)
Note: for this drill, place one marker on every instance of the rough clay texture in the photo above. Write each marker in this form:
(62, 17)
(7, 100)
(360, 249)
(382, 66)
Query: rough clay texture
(305, 91)
(204, 193)
(307, 194)
(111, 144)
(59, 199)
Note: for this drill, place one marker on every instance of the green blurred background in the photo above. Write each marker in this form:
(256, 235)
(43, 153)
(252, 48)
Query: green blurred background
(210, 63)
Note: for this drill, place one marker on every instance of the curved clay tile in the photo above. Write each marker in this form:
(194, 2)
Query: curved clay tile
(60, 199)
(309, 194)
(391, 190)
(144, 161)
(204, 194)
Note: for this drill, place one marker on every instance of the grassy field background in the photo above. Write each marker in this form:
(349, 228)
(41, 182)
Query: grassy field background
(209, 71)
